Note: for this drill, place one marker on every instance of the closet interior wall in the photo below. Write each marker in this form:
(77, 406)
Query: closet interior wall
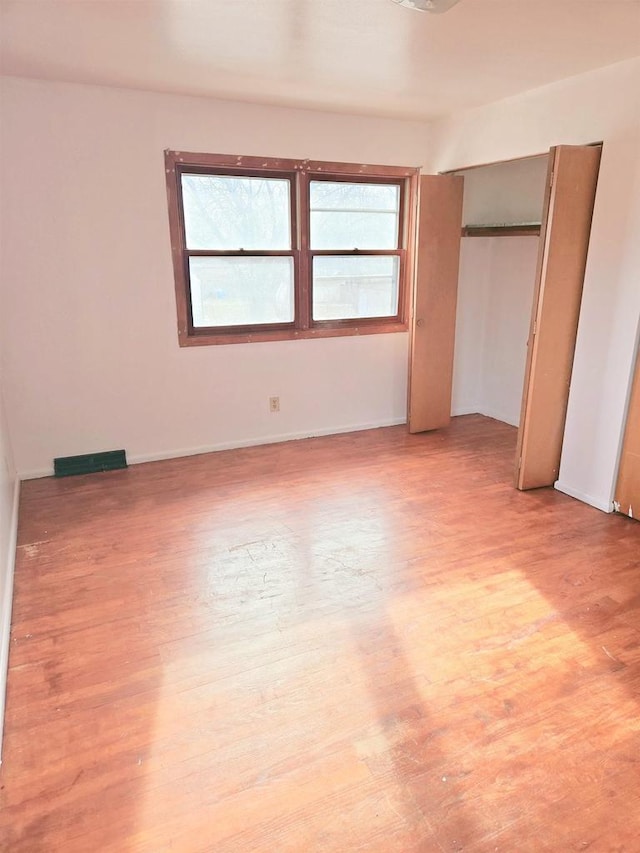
(495, 288)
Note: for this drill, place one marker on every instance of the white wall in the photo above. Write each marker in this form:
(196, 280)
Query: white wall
(92, 358)
(599, 106)
(510, 297)
(495, 293)
(473, 294)
(504, 193)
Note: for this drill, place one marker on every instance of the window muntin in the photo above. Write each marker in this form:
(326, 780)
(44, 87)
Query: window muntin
(267, 249)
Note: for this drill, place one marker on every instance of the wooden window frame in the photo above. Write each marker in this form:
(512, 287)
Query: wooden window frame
(300, 173)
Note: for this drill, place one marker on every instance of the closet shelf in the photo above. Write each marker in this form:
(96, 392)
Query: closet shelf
(518, 229)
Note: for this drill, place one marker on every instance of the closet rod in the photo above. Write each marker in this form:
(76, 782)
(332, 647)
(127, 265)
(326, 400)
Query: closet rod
(523, 229)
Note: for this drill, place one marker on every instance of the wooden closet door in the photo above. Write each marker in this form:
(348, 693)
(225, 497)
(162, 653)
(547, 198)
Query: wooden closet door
(564, 240)
(627, 495)
(433, 323)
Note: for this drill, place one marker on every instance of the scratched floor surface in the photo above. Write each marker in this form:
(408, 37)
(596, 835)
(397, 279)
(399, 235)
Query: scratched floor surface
(361, 642)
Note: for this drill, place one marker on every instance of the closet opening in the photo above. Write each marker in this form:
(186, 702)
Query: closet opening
(501, 254)
(501, 215)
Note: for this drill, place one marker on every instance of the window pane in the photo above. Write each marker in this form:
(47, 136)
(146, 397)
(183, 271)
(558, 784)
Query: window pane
(355, 287)
(354, 216)
(226, 213)
(241, 291)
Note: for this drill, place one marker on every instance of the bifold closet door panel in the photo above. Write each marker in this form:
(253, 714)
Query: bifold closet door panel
(627, 495)
(564, 241)
(433, 322)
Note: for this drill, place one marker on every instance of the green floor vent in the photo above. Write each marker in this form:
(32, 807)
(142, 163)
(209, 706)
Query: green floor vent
(89, 463)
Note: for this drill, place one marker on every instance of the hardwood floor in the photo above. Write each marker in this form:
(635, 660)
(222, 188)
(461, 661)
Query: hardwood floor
(367, 642)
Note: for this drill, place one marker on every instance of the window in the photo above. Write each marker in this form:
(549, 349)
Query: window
(268, 249)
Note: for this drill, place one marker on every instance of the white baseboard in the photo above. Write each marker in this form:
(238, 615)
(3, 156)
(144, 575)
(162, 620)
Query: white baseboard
(458, 411)
(36, 473)
(5, 614)
(255, 442)
(598, 503)
(156, 456)
(500, 416)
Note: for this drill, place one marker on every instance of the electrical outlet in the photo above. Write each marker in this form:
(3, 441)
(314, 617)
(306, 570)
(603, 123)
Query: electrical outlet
(274, 404)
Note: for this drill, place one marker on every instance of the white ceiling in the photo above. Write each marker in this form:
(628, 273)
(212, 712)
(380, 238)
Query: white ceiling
(362, 56)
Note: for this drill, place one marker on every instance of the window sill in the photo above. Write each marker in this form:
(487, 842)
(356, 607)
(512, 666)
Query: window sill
(200, 340)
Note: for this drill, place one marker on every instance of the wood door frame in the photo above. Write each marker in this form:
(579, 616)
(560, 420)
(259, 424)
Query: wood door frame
(571, 185)
(516, 159)
(534, 311)
(433, 314)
